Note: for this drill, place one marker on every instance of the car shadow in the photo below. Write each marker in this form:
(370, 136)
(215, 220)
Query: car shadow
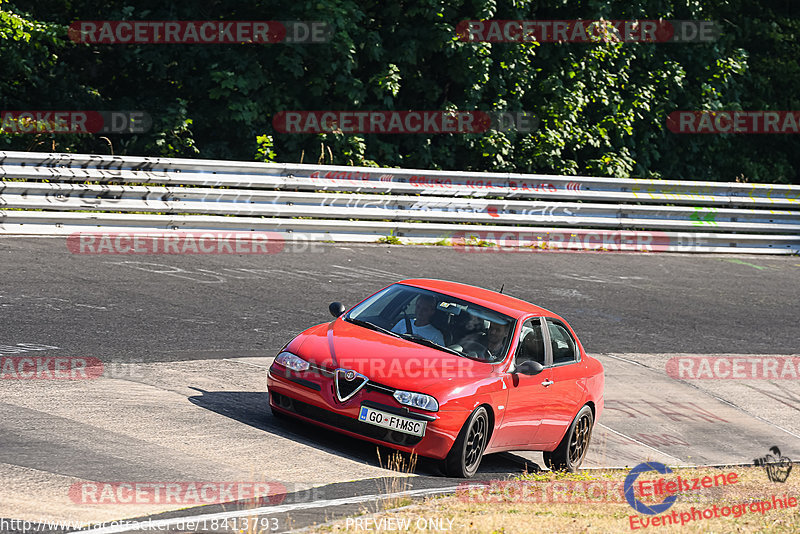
(252, 408)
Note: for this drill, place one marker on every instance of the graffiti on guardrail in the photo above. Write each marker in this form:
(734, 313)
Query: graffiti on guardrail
(424, 181)
(88, 197)
(703, 216)
(546, 212)
(699, 193)
(352, 176)
(419, 180)
(512, 185)
(502, 185)
(675, 192)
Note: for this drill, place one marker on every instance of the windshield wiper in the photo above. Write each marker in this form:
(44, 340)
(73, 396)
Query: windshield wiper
(425, 341)
(372, 326)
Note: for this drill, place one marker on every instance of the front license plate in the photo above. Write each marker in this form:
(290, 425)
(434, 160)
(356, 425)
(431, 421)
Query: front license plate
(392, 421)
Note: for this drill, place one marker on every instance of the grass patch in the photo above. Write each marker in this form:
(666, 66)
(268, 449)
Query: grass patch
(390, 239)
(404, 464)
(570, 510)
(475, 241)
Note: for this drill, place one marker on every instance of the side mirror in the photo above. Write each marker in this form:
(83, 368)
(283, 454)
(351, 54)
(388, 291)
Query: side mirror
(336, 309)
(529, 367)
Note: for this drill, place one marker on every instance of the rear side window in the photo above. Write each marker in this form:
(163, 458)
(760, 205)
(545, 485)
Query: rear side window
(564, 347)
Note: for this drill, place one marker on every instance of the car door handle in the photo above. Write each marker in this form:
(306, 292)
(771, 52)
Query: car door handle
(547, 383)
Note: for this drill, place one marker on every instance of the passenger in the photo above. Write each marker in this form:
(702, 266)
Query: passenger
(424, 308)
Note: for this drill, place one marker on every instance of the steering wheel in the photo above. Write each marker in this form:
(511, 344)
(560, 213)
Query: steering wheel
(475, 349)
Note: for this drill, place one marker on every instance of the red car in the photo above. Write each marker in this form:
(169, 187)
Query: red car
(445, 370)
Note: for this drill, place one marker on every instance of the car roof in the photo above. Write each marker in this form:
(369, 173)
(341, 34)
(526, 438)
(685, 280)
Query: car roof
(491, 299)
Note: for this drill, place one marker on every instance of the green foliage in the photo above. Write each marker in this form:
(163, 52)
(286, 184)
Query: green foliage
(601, 107)
(390, 239)
(265, 151)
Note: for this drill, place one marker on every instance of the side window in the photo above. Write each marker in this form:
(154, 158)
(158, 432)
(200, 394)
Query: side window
(531, 342)
(564, 347)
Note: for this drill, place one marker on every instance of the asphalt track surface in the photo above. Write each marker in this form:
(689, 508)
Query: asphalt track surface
(186, 341)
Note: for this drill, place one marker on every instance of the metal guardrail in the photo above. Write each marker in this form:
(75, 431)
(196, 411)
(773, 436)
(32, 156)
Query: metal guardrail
(65, 193)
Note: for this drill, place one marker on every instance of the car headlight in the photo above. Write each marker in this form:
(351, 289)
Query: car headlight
(291, 361)
(417, 400)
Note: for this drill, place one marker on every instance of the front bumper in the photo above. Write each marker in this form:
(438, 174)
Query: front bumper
(310, 396)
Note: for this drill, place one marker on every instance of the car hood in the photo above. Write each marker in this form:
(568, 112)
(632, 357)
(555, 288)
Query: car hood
(385, 359)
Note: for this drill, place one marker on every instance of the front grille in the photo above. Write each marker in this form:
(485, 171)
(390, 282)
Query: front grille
(344, 422)
(347, 388)
(370, 386)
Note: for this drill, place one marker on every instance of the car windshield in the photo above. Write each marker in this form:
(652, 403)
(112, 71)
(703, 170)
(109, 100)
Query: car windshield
(434, 319)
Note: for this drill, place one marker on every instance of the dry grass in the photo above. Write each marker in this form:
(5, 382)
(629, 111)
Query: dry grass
(567, 509)
(405, 464)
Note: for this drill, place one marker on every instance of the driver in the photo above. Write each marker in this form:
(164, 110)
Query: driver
(424, 308)
(487, 345)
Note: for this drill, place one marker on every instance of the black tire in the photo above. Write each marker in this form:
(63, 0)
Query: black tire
(570, 453)
(465, 457)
